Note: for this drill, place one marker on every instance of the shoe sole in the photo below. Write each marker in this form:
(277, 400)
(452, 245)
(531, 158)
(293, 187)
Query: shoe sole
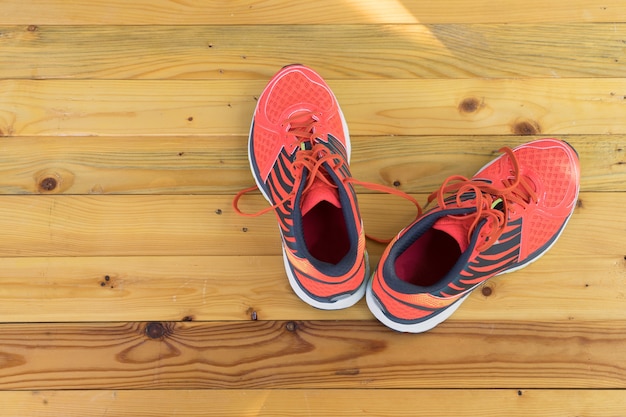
(420, 327)
(340, 303)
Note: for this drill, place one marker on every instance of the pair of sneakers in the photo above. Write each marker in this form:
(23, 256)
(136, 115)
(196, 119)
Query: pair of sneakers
(505, 217)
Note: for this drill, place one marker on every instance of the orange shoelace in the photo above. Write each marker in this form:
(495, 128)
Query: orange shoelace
(491, 202)
(304, 129)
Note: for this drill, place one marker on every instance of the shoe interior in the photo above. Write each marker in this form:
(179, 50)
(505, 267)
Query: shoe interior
(428, 259)
(325, 233)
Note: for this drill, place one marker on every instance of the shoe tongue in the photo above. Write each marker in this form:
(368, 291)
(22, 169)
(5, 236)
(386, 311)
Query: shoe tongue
(457, 227)
(318, 192)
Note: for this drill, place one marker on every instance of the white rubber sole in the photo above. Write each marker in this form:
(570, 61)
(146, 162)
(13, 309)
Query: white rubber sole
(420, 327)
(339, 304)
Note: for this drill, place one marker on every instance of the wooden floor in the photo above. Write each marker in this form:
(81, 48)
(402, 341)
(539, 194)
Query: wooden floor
(128, 287)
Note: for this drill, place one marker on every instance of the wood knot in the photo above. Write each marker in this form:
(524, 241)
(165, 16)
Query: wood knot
(155, 330)
(32, 28)
(526, 128)
(291, 326)
(48, 184)
(252, 313)
(470, 105)
(487, 291)
(53, 180)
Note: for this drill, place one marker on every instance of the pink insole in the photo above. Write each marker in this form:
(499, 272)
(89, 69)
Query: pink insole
(428, 259)
(325, 233)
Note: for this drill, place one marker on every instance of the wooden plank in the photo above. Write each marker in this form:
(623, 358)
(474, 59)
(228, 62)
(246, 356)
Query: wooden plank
(157, 12)
(219, 165)
(372, 107)
(154, 97)
(206, 225)
(311, 354)
(338, 51)
(151, 288)
(201, 288)
(124, 165)
(141, 225)
(422, 163)
(315, 403)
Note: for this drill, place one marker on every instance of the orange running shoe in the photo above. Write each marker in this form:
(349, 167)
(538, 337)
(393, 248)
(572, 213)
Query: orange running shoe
(507, 216)
(299, 150)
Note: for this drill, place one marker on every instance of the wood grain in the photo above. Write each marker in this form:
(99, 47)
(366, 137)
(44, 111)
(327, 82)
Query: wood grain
(150, 12)
(209, 288)
(372, 107)
(124, 165)
(311, 354)
(219, 165)
(206, 225)
(338, 51)
(129, 287)
(316, 403)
